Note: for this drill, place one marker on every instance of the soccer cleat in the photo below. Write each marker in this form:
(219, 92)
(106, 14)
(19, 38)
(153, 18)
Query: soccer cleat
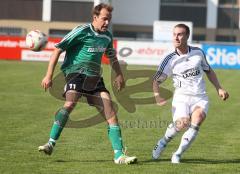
(46, 148)
(158, 150)
(175, 158)
(124, 159)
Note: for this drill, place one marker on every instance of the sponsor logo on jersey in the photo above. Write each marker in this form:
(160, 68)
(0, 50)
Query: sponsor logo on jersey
(191, 72)
(96, 49)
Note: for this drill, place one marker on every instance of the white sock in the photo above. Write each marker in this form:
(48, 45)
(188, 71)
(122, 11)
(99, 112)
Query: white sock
(169, 134)
(187, 138)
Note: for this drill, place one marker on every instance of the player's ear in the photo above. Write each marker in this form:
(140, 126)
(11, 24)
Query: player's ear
(94, 17)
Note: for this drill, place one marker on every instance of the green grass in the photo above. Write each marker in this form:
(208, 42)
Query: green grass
(27, 114)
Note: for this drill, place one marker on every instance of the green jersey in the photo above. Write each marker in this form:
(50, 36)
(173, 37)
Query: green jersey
(84, 49)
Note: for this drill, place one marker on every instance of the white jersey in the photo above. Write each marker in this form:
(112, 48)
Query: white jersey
(186, 70)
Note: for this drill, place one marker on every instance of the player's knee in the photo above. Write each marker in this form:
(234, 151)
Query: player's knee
(195, 126)
(198, 116)
(182, 124)
(112, 120)
(69, 106)
(111, 116)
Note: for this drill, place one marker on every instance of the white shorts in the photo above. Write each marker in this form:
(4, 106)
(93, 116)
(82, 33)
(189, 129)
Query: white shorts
(184, 105)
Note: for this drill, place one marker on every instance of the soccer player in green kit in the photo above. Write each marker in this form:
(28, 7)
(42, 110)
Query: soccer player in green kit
(84, 47)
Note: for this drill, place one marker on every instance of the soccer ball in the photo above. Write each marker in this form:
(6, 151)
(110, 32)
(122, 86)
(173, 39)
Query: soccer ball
(36, 40)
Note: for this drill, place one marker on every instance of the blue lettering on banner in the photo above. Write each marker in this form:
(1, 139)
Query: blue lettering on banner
(222, 56)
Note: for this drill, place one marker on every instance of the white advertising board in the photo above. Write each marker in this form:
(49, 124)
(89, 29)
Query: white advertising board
(163, 30)
(28, 55)
(144, 53)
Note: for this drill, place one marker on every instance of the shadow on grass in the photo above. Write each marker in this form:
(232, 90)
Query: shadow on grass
(86, 161)
(82, 161)
(183, 161)
(211, 161)
(196, 161)
(153, 162)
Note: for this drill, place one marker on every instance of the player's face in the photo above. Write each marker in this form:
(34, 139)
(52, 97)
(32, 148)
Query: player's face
(180, 37)
(102, 21)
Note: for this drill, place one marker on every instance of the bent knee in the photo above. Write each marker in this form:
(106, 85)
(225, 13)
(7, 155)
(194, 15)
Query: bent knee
(109, 114)
(182, 123)
(69, 106)
(112, 119)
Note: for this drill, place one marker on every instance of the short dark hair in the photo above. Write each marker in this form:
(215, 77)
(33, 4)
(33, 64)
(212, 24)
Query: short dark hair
(183, 26)
(97, 9)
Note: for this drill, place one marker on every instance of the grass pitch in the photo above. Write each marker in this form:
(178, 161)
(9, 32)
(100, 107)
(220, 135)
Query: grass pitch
(27, 114)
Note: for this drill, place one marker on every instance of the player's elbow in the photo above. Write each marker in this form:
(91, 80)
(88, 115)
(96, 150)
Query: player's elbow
(155, 85)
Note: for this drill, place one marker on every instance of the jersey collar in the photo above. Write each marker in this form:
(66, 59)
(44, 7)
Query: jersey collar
(189, 50)
(95, 32)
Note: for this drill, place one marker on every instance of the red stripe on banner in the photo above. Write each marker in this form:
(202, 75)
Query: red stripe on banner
(10, 53)
(10, 47)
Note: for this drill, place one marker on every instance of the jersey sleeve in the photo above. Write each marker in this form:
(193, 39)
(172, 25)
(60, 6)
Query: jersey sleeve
(205, 65)
(164, 69)
(72, 38)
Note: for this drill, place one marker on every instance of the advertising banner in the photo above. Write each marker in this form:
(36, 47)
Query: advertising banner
(130, 52)
(222, 56)
(14, 48)
(10, 47)
(144, 53)
(44, 55)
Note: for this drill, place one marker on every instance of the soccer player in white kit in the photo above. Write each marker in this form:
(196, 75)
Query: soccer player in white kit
(186, 65)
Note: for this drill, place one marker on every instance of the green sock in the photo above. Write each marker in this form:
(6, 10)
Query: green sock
(61, 118)
(114, 133)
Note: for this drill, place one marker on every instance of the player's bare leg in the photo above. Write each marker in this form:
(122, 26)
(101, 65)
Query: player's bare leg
(61, 118)
(104, 104)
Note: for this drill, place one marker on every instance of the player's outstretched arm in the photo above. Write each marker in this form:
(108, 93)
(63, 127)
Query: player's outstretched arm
(223, 94)
(47, 80)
